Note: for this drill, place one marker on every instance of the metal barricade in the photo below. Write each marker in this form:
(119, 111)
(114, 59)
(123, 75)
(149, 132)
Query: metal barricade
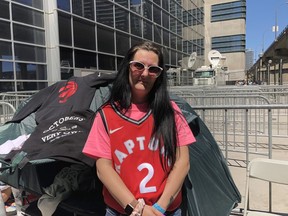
(9, 102)
(7, 111)
(248, 132)
(243, 121)
(15, 98)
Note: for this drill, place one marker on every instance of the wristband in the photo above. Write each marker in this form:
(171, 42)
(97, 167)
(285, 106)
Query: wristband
(159, 208)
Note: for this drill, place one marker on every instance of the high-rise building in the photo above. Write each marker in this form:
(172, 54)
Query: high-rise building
(225, 26)
(249, 59)
(44, 41)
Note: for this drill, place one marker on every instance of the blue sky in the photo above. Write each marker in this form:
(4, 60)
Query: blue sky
(261, 17)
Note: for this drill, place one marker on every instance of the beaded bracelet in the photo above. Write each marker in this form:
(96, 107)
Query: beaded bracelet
(159, 208)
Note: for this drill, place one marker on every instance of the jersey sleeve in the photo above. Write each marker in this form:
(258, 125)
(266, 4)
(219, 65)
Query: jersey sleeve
(184, 133)
(98, 142)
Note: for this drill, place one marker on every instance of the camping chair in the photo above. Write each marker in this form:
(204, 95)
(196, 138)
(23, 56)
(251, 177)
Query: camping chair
(269, 170)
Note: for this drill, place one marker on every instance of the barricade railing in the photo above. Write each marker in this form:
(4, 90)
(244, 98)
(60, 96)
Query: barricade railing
(15, 98)
(245, 131)
(7, 111)
(234, 96)
(9, 102)
(225, 100)
(275, 94)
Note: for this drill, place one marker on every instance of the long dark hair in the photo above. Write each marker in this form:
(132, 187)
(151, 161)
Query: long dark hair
(158, 100)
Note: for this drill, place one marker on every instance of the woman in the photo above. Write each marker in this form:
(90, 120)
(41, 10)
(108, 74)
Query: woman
(140, 139)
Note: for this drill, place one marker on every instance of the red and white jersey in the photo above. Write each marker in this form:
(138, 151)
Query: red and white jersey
(135, 157)
(126, 141)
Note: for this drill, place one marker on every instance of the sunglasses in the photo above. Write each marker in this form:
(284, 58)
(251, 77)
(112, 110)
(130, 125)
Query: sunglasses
(153, 70)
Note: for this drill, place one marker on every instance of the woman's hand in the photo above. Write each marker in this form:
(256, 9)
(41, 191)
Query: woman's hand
(151, 211)
(138, 208)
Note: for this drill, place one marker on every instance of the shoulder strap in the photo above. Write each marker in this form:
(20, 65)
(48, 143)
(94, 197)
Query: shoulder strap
(103, 119)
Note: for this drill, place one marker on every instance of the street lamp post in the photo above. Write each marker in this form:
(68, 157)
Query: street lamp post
(280, 81)
(275, 80)
(268, 72)
(275, 28)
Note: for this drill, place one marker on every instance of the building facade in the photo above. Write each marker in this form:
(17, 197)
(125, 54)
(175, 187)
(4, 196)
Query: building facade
(249, 59)
(225, 31)
(44, 41)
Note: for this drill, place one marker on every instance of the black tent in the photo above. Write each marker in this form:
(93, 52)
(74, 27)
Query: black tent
(51, 114)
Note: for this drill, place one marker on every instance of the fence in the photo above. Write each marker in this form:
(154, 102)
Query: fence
(241, 119)
(246, 121)
(9, 102)
(249, 130)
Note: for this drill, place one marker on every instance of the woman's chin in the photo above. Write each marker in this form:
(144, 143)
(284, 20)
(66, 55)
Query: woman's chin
(140, 86)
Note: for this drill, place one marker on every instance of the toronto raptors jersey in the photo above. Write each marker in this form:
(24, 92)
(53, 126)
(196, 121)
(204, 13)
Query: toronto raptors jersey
(135, 155)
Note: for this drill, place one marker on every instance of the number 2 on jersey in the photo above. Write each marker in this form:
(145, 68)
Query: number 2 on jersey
(146, 179)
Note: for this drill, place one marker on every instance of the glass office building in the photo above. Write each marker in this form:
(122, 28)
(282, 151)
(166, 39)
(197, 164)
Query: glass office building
(44, 41)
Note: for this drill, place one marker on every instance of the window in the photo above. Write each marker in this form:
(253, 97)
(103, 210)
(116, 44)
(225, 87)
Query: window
(36, 4)
(157, 34)
(5, 30)
(66, 57)
(6, 86)
(66, 73)
(28, 16)
(228, 11)
(26, 86)
(65, 34)
(147, 30)
(135, 5)
(84, 34)
(105, 39)
(156, 15)
(165, 38)
(4, 10)
(136, 26)
(6, 70)
(122, 43)
(84, 8)
(104, 12)
(63, 5)
(165, 20)
(147, 10)
(121, 19)
(5, 50)
(227, 44)
(29, 53)
(28, 34)
(106, 62)
(158, 2)
(66, 63)
(85, 59)
(31, 71)
(195, 16)
(122, 2)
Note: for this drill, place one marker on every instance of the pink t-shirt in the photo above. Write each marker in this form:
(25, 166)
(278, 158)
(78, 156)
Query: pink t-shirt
(98, 142)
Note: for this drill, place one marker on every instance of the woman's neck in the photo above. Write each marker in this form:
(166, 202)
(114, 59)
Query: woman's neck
(139, 100)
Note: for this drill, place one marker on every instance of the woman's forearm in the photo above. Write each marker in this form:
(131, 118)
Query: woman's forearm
(113, 182)
(176, 177)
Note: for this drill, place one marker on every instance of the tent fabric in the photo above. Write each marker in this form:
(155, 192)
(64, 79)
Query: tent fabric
(209, 184)
(56, 100)
(62, 138)
(209, 188)
(63, 118)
